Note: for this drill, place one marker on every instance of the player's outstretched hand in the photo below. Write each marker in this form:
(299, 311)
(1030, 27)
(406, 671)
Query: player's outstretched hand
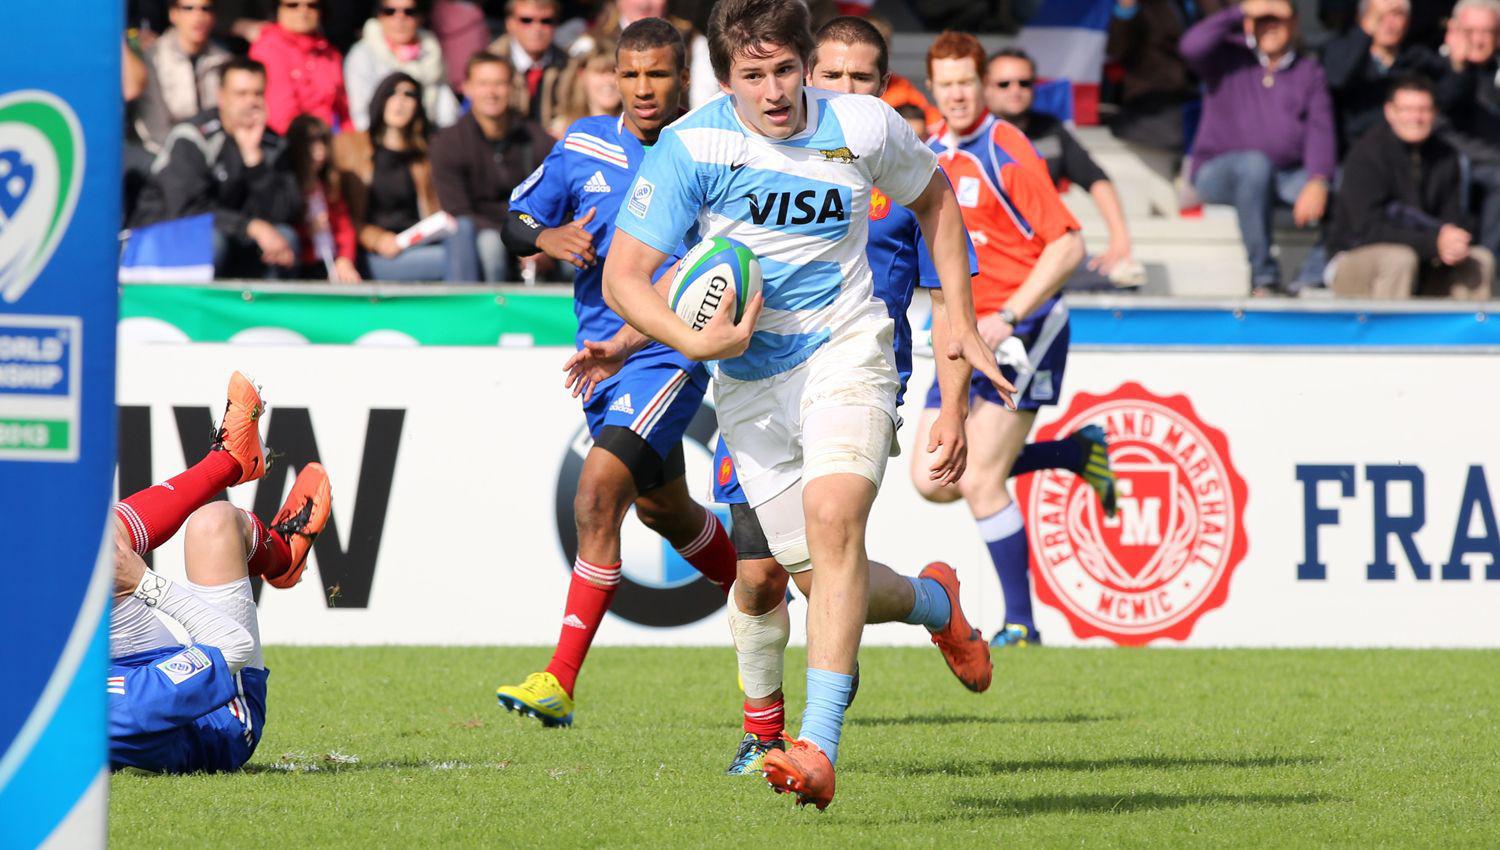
(970, 347)
(946, 440)
(723, 338)
(593, 364)
(571, 243)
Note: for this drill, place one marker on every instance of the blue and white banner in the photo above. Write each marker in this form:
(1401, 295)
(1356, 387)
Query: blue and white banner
(60, 119)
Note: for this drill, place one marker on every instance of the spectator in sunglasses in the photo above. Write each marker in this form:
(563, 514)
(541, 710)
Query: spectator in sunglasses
(530, 26)
(305, 72)
(394, 40)
(183, 68)
(1009, 91)
(387, 178)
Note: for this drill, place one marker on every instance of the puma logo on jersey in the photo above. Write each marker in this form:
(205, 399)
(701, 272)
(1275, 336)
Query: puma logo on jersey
(843, 155)
(622, 405)
(783, 208)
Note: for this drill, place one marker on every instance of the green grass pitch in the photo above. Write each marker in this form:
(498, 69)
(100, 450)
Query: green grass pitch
(405, 747)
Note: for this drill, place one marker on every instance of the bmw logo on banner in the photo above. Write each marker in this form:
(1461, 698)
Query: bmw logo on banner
(657, 587)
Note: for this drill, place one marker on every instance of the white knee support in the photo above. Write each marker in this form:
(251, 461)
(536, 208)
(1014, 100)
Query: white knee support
(760, 643)
(785, 528)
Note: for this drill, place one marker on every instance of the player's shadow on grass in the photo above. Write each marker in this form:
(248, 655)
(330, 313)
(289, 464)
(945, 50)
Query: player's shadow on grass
(993, 767)
(968, 719)
(985, 807)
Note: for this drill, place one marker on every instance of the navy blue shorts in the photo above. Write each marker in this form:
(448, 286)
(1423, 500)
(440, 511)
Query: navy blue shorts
(652, 396)
(227, 736)
(1045, 333)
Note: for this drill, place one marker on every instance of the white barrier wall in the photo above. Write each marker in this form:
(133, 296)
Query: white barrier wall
(1268, 499)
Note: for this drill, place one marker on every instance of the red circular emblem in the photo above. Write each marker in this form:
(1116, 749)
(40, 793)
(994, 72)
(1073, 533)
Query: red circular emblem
(880, 205)
(726, 471)
(1166, 556)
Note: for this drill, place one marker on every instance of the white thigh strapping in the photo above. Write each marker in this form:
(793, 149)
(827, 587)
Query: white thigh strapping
(237, 601)
(851, 439)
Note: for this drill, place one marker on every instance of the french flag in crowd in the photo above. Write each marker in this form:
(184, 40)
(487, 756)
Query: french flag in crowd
(1066, 38)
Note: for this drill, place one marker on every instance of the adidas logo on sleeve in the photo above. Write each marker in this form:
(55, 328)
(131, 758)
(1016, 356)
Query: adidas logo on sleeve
(622, 405)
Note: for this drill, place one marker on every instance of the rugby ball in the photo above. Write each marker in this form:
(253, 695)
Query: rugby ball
(707, 274)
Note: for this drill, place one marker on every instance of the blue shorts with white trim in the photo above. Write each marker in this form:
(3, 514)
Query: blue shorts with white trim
(651, 395)
(226, 737)
(1046, 335)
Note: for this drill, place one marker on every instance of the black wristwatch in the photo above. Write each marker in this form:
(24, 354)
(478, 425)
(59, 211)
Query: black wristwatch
(1008, 316)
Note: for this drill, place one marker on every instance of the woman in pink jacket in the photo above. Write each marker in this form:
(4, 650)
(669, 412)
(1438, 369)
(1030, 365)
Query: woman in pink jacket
(304, 73)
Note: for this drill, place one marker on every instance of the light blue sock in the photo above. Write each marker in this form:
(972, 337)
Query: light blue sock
(823, 718)
(930, 608)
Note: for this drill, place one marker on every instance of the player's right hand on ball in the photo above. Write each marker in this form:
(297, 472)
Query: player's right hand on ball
(571, 243)
(722, 338)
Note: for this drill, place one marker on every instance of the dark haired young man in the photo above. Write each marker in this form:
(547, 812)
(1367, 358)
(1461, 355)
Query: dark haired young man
(566, 209)
(227, 162)
(806, 381)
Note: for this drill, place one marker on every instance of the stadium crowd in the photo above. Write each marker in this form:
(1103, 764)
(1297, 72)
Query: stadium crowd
(329, 139)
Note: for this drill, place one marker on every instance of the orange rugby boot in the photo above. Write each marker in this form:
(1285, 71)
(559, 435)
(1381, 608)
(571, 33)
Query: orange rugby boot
(300, 521)
(962, 645)
(239, 431)
(801, 769)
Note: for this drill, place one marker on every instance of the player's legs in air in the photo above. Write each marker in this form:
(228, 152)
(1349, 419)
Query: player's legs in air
(637, 421)
(760, 624)
(223, 675)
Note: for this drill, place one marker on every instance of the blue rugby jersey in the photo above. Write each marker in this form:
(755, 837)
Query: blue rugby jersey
(591, 166)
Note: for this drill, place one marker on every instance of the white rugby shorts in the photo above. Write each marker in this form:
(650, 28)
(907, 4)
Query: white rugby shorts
(762, 421)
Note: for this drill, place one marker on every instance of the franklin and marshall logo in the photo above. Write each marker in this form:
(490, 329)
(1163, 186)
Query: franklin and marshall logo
(1167, 555)
(41, 170)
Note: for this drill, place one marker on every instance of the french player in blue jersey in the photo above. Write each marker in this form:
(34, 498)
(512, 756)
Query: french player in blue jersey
(567, 210)
(201, 706)
(806, 382)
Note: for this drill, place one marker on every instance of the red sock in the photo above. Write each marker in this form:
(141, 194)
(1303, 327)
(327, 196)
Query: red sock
(268, 552)
(766, 723)
(153, 515)
(712, 553)
(589, 595)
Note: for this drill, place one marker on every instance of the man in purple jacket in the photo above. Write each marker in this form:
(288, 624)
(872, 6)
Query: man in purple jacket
(1267, 133)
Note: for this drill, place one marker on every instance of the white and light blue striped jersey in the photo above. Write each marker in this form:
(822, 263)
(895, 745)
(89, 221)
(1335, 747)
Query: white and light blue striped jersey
(801, 204)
